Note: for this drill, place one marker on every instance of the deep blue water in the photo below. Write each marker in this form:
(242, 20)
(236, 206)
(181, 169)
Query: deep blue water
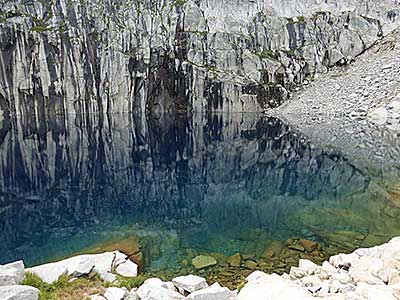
(221, 183)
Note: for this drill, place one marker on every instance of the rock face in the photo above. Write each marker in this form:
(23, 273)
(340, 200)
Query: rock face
(19, 292)
(12, 273)
(98, 56)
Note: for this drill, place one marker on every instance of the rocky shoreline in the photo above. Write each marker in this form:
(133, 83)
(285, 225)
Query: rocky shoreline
(367, 273)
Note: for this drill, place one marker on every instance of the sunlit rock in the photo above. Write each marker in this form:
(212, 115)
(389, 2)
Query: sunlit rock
(19, 292)
(12, 273)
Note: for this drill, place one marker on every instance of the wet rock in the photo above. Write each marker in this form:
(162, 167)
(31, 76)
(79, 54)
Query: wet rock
(203, 261)
(235, 260)
(19, 292)
(297, 247)
(190, 283)
(249, 264)
(12, 273)
(309, 245)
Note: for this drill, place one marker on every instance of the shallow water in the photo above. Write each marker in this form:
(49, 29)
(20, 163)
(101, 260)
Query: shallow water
(204, 184)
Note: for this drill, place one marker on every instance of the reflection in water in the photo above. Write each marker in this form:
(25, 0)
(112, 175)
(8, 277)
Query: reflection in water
(216, 183)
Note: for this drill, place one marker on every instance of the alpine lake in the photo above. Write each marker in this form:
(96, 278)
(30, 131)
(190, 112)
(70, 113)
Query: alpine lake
(216, 195)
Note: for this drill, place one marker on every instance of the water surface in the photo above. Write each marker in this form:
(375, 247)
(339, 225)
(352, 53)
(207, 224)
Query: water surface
(203, 183)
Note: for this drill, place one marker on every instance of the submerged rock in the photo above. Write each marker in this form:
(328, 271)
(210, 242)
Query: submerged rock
(203, 261)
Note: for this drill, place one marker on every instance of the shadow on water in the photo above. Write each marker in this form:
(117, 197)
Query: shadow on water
(212, 183)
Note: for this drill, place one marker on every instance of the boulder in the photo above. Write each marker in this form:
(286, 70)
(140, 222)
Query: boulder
(376, 291)
(132, 295)
(12, 273)
(235, 260)
(307, 266)
(108, 277)
(156, 289)
(261, 286)
(49, 272)
(114, 293)
(309, 245)
(203, 261)
(190, 283)
(18, 292)
(127, 269)
(83, 264)
(79, 265)
(213, 293)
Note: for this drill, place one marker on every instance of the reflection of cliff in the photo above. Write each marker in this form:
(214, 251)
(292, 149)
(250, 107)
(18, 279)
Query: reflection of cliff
(69, 56)
(60, 175)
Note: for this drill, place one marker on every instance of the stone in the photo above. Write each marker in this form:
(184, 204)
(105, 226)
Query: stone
(155, 287)
(297, 247)
(213, 293)
(203, 261)
(272, 287)
(97, 297)
(307, 266)
(12, 273)
(378, 116)
(309, 245)
(132, 295)
(190, 283)
(114, 293)
(127, 269)
(83, 264)
(80, 265)
(108, 277)
(235, 260)
(249, 264)
(49, 273)
(18, 292)
(373, 292)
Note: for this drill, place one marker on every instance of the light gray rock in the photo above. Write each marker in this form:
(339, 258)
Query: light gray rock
(82, 264)
(155, 288)
(127, 268)
(12, 273)
(18, 292)
(49, 272)
(114, 293)
(190, 283)
(108, 277)
(132, 295)
(213, 293)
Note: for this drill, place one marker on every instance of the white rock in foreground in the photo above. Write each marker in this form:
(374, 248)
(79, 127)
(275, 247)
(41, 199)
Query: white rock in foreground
(114, 293)
(190, 283)
(83, 264)
(12, 273)
(49, 272)
(156, 289)
(127, 268)
(262, 286)
(213, 293)
(18, 292)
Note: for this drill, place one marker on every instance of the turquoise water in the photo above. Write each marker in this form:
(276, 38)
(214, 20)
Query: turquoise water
(221, 183)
